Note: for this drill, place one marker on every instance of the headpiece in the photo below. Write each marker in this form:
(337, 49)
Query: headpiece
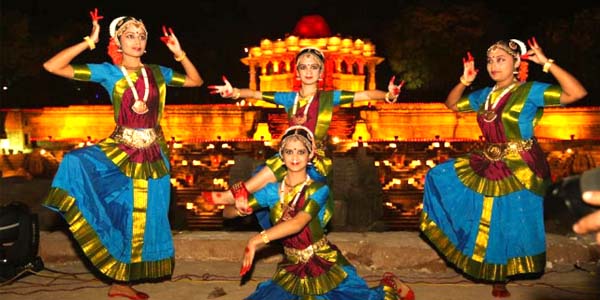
(311, 50)
(117, 26)
(513, 47)
(516, 49)
(301, 133)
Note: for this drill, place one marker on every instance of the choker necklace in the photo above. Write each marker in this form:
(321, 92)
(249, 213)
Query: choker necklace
(139, 106)
(300, 120)
(291, 205)
(489, 114)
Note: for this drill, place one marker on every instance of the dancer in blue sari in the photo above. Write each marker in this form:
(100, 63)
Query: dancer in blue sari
(313, 267)
(115, 195)
(484, 211)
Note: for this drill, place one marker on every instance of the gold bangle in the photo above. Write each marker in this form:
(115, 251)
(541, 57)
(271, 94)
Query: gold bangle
(464, 81)
(180, 57)
(547, 65)
(388, 100)
(90, 43)
(265, 238)
(236, 95)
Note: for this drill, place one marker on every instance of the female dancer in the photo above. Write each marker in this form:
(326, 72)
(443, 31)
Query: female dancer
(308, 107)
(313, 267)
(115, 194)
(484, 212)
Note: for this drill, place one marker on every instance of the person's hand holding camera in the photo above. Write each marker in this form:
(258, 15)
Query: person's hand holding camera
(590, 195)
(591, 222)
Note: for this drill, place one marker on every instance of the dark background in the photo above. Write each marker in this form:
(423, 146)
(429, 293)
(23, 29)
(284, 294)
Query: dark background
(422, 42)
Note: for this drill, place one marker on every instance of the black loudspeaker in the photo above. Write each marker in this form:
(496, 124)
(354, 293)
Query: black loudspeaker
(19, 241)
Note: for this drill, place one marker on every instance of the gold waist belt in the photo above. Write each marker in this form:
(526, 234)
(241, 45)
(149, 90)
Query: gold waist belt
(497, 151)
(137, 138)
(303, 255)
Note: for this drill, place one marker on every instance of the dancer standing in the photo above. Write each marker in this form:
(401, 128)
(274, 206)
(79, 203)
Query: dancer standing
(484, 211)
(115, 195)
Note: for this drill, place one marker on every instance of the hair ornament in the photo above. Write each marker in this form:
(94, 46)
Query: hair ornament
(300, 132)
(522, 47)
(311, 50)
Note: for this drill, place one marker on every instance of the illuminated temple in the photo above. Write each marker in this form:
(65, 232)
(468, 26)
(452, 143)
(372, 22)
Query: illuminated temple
(381, 152)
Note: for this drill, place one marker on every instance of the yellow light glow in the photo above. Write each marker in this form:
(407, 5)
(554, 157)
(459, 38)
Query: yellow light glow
(376, 163)
(184, 162)
(430, 163)
(335, 140)
(361, 131)
(262, 132)
(189, 205)
(196, 162)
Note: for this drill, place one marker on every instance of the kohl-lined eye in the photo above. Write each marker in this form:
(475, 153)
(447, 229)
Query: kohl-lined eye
(304, 67)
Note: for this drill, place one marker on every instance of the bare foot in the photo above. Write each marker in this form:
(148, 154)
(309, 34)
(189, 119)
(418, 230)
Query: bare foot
(499, 290)
(405, 292)
(126, 291)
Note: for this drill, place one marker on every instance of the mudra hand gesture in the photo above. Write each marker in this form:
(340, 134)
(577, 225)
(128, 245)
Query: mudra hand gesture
(393, 90)
(172, 43)
(535, 53)
(94, 35)
(226, 91)
(469, 71)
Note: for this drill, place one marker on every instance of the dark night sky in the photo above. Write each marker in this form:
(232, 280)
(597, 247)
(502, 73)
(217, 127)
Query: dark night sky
(215, 32)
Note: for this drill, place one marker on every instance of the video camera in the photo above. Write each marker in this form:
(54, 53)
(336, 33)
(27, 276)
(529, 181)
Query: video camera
(570, 189)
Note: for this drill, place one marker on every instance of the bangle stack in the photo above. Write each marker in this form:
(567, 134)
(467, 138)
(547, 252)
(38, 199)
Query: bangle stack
(388, 100)
(90, 43)
(180, 57)
(547, 65)
(265, 238)
(465, 82)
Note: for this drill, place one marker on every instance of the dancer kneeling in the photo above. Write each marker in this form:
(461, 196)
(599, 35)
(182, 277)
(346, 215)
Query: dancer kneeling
(313, 267)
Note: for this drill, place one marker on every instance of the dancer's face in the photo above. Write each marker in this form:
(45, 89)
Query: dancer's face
(309, 68)
(133, 40)
(500, 65)
(295, 155)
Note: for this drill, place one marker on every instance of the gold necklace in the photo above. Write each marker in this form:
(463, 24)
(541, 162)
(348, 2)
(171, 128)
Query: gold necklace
(489, 113)
(300, 120)
(139, 106)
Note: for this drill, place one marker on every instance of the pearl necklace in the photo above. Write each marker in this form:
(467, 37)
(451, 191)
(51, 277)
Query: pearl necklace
(139, 107)
(300, 120)
(489, 113)
(282, 193)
